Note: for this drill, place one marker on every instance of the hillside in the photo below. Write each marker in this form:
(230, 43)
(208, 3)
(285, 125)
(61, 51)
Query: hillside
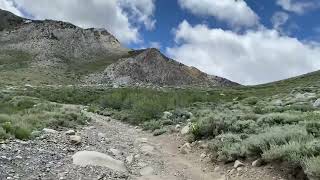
(54, 52)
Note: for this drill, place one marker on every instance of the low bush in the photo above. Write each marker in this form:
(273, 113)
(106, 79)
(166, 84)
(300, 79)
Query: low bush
(312, 167)
(256, 144)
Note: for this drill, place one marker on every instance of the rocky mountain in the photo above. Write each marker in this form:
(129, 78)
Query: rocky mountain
(55, 52)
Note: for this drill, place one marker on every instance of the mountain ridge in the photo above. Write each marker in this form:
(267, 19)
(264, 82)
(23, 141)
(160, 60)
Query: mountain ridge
(60, 52)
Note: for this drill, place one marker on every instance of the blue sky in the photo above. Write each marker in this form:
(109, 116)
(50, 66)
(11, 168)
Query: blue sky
(168, 15)
(250, 42)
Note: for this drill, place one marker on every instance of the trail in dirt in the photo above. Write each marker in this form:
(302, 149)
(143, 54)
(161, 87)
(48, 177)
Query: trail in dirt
(116, 146)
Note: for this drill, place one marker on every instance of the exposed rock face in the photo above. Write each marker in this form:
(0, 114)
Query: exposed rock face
(56, 52)
(151, 67)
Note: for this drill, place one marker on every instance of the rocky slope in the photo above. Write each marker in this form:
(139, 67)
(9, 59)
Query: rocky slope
(149, 66)
(55, 52)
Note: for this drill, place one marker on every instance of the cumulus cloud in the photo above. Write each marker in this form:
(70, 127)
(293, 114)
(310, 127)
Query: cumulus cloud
(298, 6)
(120, 20)
(141, 10)
(252, 57)
(234, 12)
(9, 6)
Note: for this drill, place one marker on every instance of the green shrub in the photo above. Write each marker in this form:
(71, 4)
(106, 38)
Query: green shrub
(313, 127)
(22, 133)
(3, 134)
(152, 125)
(251, 100)
(279, 119)
(244, 126)
(256, 144)
(292, 152)
(227, 146)
(312, 167)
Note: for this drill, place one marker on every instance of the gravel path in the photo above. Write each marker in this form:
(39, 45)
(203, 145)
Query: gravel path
(144, 156)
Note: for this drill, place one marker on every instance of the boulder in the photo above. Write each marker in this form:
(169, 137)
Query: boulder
(277, 102)
(75, 139)
(92, 158)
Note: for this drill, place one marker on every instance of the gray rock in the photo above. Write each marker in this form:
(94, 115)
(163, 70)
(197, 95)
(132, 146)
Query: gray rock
(49, 131)
(70, 132)
(277, 102)
(316, 104)
(257, 163)
(92, 158)
(186, 148)
(237, 164)
(146, 171)
(115, 152)
(75, 139)
(186, 130)
(130, 159)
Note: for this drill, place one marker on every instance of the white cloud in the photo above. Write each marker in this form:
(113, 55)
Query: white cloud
(234, 12)
(253, 57)
(109, 14)
(155, 45)
(279, 19)
(141, 10)
(9, 6)
(298, 6)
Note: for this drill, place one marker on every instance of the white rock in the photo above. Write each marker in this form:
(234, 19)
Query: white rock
(49, 131)
(186, 148)
(178, 127)
(257, 163)
(70, 132)
(316, 104)
(142, 140)
(185, 130)
(203, 155)
(92, 158)
(146, 171)
(130, 159)
(115, 152)
(237, 164)
(75, 139)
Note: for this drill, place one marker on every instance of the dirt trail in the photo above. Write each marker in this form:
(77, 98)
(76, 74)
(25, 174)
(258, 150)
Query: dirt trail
(138, 154)
(174, 165)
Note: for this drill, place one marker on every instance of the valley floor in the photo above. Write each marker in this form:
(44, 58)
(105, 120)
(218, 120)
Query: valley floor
(128, 153)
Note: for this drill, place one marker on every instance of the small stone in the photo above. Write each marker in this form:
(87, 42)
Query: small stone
(237, 164)
(232, 171)
(101, 135)
(146, 171)
(70, 132)
(185, 130)
(75, 139)
(203, 155)
(18, 157)
(178, 127)
(257, 163)
(216, 169)
(185, 149)
(115, 152)
(49, 131)
(137, 156)
(239, 169)
(130, 159)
